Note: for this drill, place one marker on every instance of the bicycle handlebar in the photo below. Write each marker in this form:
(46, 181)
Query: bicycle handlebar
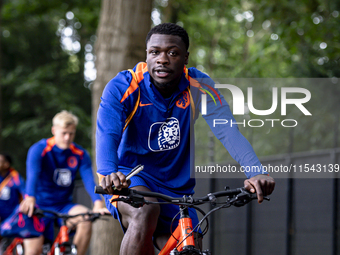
(136, 198)
(47, 213)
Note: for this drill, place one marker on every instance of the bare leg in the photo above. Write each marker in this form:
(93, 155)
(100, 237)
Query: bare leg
(140, 224)
(83, 229)
(33, 246)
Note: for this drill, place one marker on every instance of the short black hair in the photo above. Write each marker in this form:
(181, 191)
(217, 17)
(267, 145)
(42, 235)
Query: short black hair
(7, 157)
(169, 29)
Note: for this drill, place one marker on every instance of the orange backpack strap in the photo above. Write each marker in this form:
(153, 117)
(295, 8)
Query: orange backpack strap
(134, 79)
(129, 118)
(192, 103)
(5, 181)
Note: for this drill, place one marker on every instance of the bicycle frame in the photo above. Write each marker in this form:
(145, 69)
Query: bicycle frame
(182, 240)
(17, 242)
(61, 244)
(182, 236)
(61, 238)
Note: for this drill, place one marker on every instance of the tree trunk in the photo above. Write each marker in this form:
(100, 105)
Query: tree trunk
(120, 45)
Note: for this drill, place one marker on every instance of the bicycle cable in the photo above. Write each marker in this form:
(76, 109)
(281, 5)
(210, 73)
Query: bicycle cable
(201, 221)
(204, 231)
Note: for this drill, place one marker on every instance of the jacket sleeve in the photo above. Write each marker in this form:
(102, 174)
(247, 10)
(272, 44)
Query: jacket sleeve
(111, 118)
(86, 174)
(33, 168)
(226, 130)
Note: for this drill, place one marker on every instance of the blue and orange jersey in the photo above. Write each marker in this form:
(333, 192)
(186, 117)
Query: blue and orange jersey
(12, 190)
(51, 172)
(160, 131)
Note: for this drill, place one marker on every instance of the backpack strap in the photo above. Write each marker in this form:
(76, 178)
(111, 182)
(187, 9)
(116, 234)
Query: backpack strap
(129, 118)
(192, 103)
(5, 181)
(135, 80)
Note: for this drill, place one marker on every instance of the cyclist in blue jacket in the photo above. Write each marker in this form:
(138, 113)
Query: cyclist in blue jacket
(158, 137)
(52, 165)
(12, 191)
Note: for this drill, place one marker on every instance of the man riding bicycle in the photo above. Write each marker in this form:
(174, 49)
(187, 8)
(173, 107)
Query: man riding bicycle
(12, 190)
(52, 166)
(158, 137)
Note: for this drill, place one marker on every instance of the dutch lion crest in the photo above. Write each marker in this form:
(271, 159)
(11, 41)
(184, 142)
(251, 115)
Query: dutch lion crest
(169, 134)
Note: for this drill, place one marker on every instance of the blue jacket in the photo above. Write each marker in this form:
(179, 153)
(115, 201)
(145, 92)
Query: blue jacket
(51, 172)
(159, 134)
(11, 194)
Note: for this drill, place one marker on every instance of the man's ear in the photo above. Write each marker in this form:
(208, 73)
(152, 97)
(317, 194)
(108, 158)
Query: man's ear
(186, 58)
(52, 130)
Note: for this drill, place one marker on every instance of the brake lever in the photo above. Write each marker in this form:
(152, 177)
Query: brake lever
(253, 195)
(134, 200)
(93, 218)
(245, 197)
(38, 212)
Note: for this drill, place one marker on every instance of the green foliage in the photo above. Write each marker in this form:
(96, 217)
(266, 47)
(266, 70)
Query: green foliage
(229, 39)
(38, 77)
(266, 39)
(259, 38)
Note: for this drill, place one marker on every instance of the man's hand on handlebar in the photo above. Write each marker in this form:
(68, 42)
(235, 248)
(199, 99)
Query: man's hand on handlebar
(117, 180)
(99, 207)
(27, 205)
(262, 184)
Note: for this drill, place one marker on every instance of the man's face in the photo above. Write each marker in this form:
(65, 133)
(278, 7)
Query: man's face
(64, 136)
(166, 57)
(4, 165)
